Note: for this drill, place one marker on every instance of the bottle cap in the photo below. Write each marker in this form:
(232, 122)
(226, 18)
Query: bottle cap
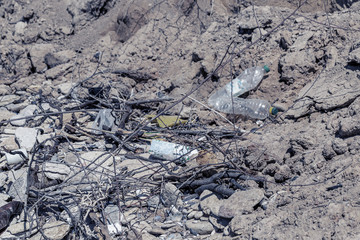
(266, 68)
(273, 110)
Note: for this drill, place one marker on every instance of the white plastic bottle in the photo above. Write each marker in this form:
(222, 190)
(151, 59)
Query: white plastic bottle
(243, 83)
(171, 151)
(254, 108)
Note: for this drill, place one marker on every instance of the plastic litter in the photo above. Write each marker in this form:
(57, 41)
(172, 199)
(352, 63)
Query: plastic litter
(103, 121)
(168, 121)
(16, 156)
(171, 151)
(226, 99)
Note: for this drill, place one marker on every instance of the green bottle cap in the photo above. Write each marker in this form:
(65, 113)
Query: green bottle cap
(273, 110)
(266, 68)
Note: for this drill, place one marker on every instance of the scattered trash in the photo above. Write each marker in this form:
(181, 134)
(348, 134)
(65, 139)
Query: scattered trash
(16, 156)
(8, 211)
(167, 121)
(103, 121)
(171, 151)
(112, 214)
(26, 137)
(225, 99)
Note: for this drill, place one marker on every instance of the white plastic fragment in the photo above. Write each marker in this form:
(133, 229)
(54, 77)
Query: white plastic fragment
(104, 121)
(16, 156)
(171, 151)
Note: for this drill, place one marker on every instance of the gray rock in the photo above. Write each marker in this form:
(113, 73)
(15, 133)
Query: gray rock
(209, 203)
(20, 28)
(58, 71)
(174, 236)
(26, 112)
(328, 151)
(157, 231)
(247, 19)
(199, 227)
(26, 137)
(153, 201)
(240, 202)
(171, 195)
(354, 56)
(301, 41)
(65, 87)
(4, 90)
(18, 228)
(84, 9)
(56, 230)
(339, 87)
(5, 114)
(54, 59)
(218, 222)
(294, 65)
(18, 187)
(283, 174)
(241, 224)
(349, 127)
(3, 178)
(56, 171)
(7, 99)
(37, 55)
(198, 215)
(339, 146)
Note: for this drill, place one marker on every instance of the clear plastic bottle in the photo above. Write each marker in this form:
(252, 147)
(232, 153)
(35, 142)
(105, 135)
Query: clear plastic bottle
(222, 99)
(243, 83)
(254, 108)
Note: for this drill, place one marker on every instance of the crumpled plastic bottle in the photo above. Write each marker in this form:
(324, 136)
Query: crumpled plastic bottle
(103, 121)
(226, 99)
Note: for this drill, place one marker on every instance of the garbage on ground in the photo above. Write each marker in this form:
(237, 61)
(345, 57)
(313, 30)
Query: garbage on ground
(103, 121)
(172, 151)
(113, 216)
(8, 211)
(226, 99)
(26, 137)
(16, 156)
(167, 121)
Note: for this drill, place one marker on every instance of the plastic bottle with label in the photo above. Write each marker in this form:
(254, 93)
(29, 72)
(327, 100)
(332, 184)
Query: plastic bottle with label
(254, 108)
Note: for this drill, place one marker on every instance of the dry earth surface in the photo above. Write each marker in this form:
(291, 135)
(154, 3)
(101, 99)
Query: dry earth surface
(293, 176)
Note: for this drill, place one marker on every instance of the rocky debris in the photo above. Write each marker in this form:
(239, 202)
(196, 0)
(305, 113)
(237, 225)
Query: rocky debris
(56, 230)
(61, 65)
(349, 127)
(37, 55)
(56, 171)
(18, 187)
(23, 115)
(339, 90)
(26, 137)
(199, 227)
(240, 202)
(209, 203)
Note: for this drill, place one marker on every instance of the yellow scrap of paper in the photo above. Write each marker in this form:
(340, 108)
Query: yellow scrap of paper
(167, 121)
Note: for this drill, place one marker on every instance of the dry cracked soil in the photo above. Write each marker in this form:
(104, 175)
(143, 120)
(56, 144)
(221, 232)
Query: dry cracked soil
(295, 175)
